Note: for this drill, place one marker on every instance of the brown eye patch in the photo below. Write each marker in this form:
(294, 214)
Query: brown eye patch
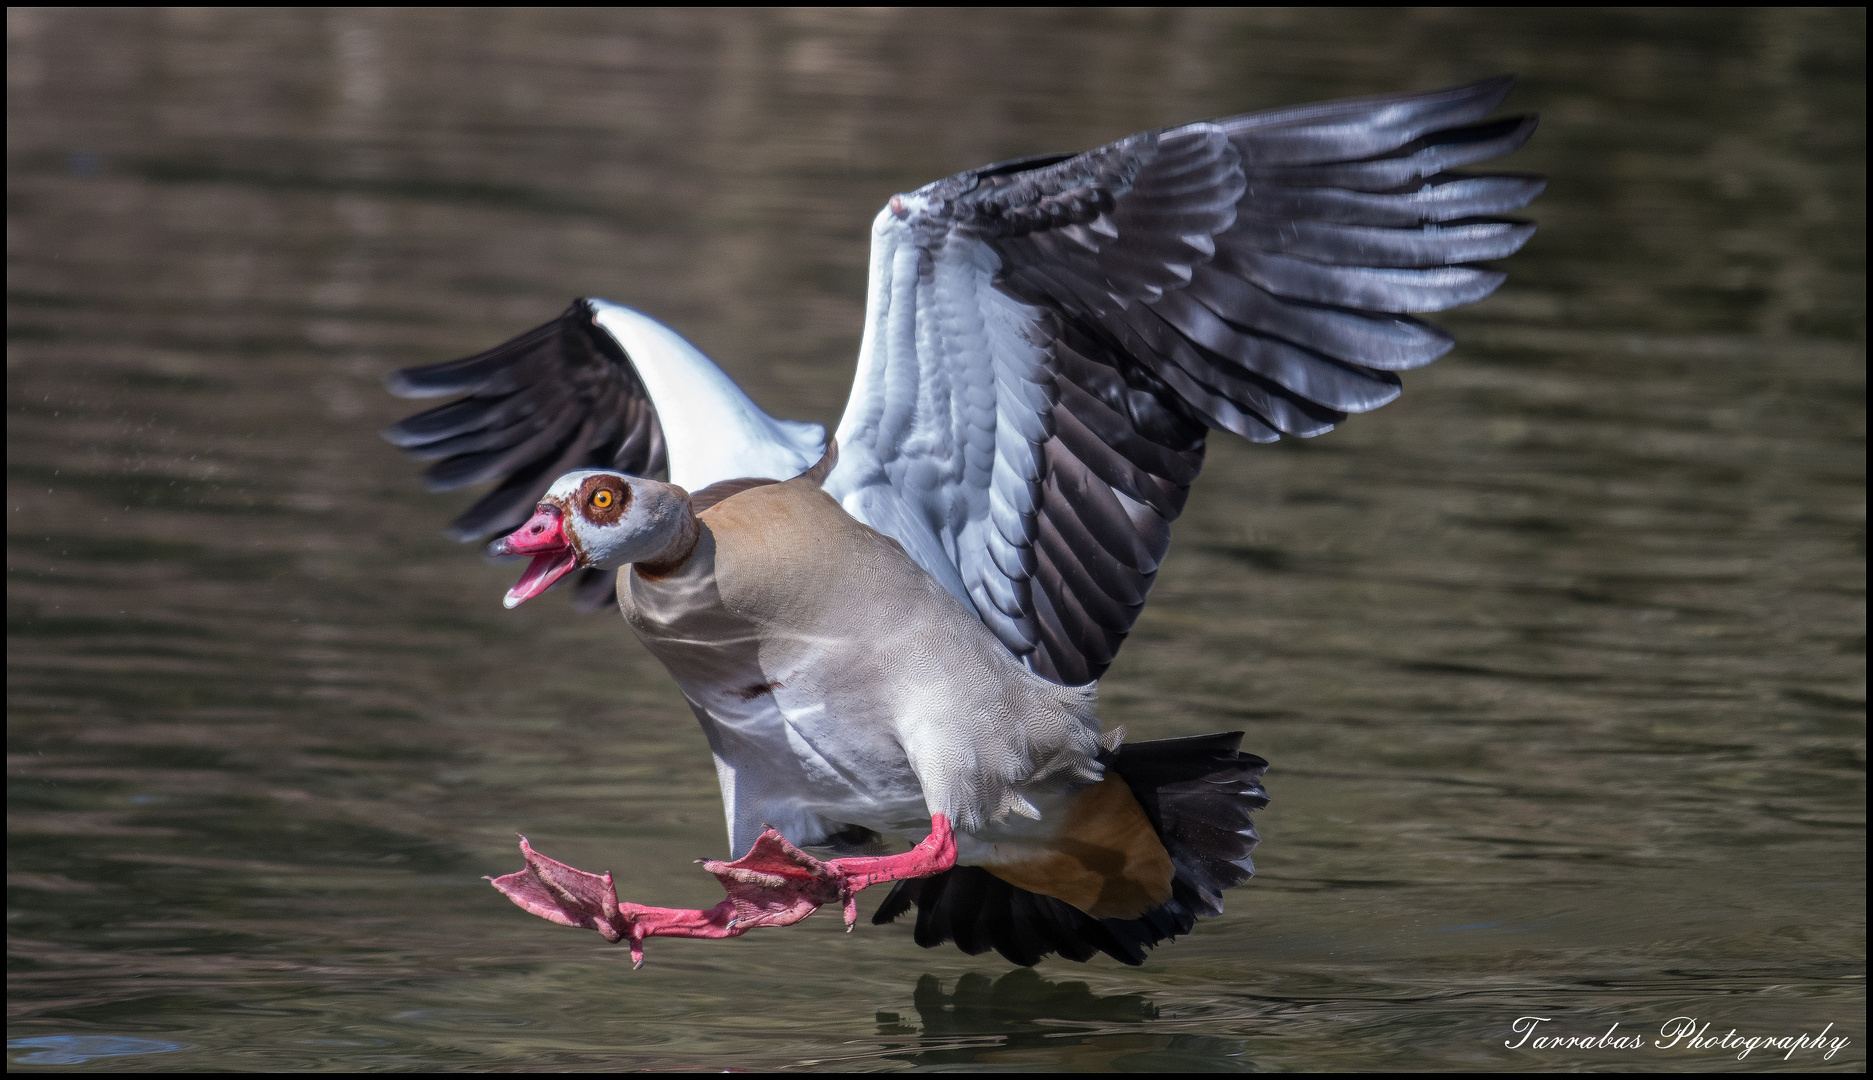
(602, 499)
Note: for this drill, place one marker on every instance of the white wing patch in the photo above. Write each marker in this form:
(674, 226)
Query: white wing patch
(713, 430)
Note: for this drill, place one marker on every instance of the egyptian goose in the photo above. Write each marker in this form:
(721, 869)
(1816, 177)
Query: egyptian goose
(898, 631)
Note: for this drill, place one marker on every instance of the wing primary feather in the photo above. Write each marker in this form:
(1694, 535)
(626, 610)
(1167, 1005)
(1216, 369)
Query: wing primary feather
(1386, 342)
(482, 466)
(475, 372)
(1361, 245)
(504, 501)
(1449, 149)
(1312, 376)
(1360, 127)
(1361, 287)
(1444, 198)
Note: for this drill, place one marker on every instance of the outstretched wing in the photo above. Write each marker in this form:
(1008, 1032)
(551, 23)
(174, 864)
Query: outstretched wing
(1049, 341)
(578, 393)
(559, 397)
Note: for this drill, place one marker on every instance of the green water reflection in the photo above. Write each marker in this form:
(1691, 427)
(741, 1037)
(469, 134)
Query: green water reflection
(1559, 659)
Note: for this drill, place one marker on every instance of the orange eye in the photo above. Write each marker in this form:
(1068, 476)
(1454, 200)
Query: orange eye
(602, 500)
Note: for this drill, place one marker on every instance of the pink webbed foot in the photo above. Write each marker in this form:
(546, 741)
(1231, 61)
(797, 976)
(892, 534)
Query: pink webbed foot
(774, 884)
(559, 893)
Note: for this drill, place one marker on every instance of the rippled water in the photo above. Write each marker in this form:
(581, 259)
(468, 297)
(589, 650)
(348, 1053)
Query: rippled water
(1559, 659)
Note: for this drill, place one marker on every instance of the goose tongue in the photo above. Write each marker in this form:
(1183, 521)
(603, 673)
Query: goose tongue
(544, 538)
(539, 576)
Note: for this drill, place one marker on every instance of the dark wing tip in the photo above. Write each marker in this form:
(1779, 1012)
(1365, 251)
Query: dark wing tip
(559, 397)
(1497, 86)
(399, 384)
(1525, 126)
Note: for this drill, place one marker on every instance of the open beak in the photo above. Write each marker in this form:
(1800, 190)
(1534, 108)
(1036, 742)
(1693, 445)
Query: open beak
(544, 538)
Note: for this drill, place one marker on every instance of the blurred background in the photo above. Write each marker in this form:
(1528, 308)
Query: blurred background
(1559, 659)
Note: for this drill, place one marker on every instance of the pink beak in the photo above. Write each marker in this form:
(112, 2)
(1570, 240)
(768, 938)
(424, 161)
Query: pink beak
(544, 538)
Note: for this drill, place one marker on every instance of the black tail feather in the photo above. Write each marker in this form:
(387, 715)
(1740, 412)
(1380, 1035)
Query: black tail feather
(1198, 793)
(896, 903)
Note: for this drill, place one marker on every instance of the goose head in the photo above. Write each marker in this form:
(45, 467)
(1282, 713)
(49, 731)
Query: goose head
(597, 518)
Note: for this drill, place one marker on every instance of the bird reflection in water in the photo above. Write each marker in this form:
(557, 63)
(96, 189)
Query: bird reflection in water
(997, 1021)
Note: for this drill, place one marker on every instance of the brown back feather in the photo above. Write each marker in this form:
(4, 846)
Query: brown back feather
(722, 489)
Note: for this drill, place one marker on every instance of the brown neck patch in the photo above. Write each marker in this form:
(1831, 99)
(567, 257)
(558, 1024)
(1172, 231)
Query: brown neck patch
(613, 493)
(672, 558)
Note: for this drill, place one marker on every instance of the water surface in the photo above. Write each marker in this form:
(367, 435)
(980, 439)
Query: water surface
(1559, 659)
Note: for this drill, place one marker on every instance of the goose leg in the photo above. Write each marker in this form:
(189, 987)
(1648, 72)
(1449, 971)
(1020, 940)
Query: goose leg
(775, 884)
